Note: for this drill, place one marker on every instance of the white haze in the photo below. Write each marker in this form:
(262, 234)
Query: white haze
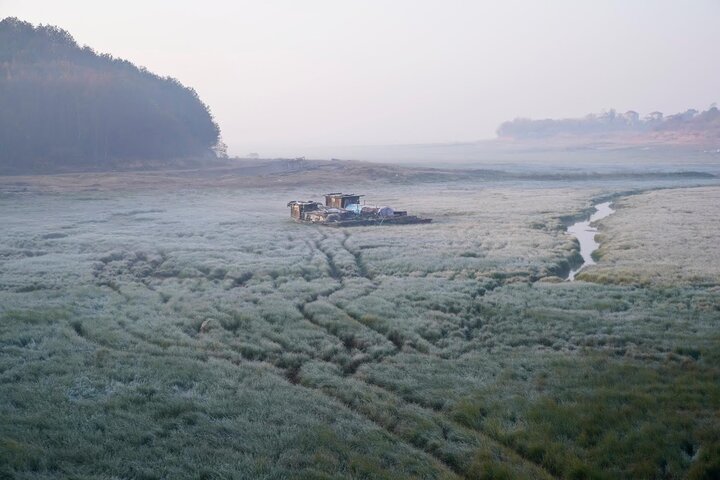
(284, 76)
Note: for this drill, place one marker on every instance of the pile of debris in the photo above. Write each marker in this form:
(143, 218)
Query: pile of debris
(342, 210)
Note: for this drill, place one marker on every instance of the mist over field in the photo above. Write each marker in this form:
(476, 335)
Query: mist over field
(517, 289)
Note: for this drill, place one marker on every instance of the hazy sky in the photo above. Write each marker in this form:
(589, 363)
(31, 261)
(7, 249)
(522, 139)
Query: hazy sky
(294, 73)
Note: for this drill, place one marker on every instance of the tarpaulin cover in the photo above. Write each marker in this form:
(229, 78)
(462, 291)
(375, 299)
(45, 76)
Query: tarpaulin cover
(354, 207)
(385, 212)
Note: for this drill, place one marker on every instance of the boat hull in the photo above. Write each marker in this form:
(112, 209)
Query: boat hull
(374, 221)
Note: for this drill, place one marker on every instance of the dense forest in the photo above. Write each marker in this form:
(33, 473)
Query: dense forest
(690, 124)
(66, 107)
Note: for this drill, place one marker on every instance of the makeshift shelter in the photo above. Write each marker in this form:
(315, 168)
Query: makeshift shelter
(341, 200)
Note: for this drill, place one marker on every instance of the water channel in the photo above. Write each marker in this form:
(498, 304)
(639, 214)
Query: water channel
(585, 233)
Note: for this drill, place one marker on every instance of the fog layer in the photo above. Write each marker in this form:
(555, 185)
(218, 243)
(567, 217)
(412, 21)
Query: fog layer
(284, 74)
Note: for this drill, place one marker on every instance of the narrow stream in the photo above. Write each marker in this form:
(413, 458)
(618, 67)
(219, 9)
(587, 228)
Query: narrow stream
(585, 234)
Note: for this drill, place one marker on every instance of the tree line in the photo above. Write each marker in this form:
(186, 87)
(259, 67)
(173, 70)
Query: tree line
(691, 122)
(63, 106)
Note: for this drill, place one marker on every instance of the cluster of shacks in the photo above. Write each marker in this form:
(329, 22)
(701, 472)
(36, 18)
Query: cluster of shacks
(339, 207)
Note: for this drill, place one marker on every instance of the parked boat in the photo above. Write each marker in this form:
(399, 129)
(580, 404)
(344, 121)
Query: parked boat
(345, 210)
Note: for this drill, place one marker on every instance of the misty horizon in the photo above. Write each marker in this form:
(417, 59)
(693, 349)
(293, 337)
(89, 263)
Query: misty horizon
(284, 78)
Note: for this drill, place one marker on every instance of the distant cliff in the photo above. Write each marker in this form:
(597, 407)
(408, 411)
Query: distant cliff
(63, 107)
(690, 127)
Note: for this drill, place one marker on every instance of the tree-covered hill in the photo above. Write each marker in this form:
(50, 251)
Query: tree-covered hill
(66, 107)
(689, 127)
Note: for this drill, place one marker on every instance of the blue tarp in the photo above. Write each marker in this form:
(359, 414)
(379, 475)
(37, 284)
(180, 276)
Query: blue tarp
(354, 207)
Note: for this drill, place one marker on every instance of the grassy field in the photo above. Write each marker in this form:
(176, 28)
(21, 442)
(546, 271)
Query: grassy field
(665, 237)
(199, 333)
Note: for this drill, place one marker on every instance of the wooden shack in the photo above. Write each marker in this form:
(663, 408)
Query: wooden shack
(341, 200)
(298, 208)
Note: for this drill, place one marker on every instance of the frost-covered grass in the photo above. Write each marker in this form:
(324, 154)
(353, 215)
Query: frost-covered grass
(202, 334)
(665, 237)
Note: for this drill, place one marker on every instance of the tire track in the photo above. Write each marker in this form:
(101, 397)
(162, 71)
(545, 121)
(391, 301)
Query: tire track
(440, 419)
(383, 416)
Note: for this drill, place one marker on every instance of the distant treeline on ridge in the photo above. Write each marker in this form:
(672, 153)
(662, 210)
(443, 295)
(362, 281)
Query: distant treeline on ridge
(65, 107)
(688, 125)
